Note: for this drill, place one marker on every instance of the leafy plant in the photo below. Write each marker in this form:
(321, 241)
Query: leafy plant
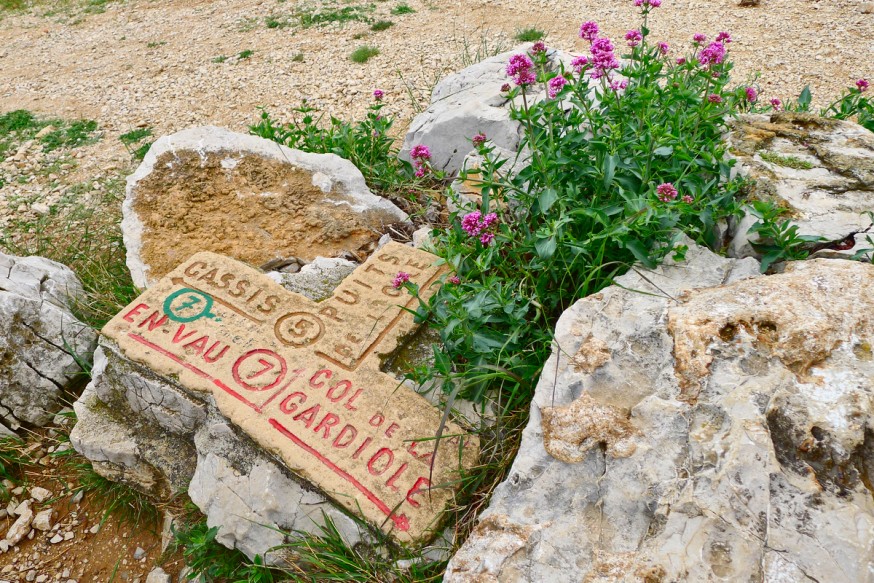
(787, 161)
(276, 22)
(209, 561)
(219, 59)
(620, 167)
(854, 104)
(363, 53)
(245, 54)
(381, 25)
(401, 9)
(133, 137)
(529, 34)
(354, 13)
(778, 239)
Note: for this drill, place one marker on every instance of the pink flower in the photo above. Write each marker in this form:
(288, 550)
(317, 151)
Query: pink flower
(699, 38)
(688, 199)
(776, 104)
(538, 47)
(603, 59)
(520, 68)
(714, 54)
(489, 220)
(751, 94)
(505, 87)
(578, 63)
(681, 61)
(471, 223)
(486, 238)
(666, 192)
(664, 48)
(618, 85)
(377, 94)
(653, 3)
(633, 37)
(420, 152)
(589, 31)
(862, 85)
(723, 37)
(714, 98)
(400, 279)
(455, 280)
(476, 225)
(555, 85)
(479, 139)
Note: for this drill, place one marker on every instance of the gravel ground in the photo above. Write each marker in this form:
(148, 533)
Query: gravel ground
(151, 62)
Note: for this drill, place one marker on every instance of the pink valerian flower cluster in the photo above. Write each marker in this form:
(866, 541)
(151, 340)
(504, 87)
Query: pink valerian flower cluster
(521, 69)
(714, 54)
(603, 58)
(751, 94)
(479, 139)
(776, 104)
(400, 279)
(681, 61)
(714, 98)
(699, 38)
(378, 94)
(862, 85)
(688, 199)
(649, 3)
(666, 192)
(454, 280)
(618, 84)
(664, 48)
(477, 225)
(578, 63)
(723, 37)
(555, 84)
(538, 48)
(589, 31)
(633, 37)
(421, 155)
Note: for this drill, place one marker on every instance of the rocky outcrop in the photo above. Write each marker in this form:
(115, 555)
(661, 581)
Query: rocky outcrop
(717, 427)
(464, 104)
(42, 345)
(820, 170)
(209, 189)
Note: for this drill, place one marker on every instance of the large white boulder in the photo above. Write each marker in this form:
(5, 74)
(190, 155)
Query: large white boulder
(696, 423)
(42, 345)
(210, 189)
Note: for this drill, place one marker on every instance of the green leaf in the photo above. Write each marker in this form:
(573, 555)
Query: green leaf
(545, 247)
(640, 252)
(664, 151)
(804, 99)
(610, 162)
(546, 199)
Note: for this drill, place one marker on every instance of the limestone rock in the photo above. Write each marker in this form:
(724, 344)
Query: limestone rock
(158, 575)
(43, 520)
(38, 339)
(820, 170)
(209, 189)
(752, 446)
(464, 104)
(40, 494)
(21, 527)
(315, 280)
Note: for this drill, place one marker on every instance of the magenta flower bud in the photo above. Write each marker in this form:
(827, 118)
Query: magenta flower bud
(723, 37)
(666, 192)
(400, 279)
(455, 280)
(505, 87)
(479, 139)
(862, 85)
(681, 60)
(633, 37)
(377, 94)
(699, 38)
(664, 48)
(555, 85)
(751, 94)
(714, 98)
(776, 104)
(589, 31)
(538, 47)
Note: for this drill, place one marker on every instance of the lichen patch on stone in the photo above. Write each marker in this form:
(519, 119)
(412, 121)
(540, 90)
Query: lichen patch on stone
(569, 432)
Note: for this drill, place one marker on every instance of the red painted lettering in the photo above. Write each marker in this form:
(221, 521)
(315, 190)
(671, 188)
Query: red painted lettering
(198, 345)
(391, 429)
(318, 385)
(382, 453)
(178, 337)
(153, 321)
(377, 420)
(391, 481)
(361, 448)
(129, 317)
(348, 404)
(347, 431)
(425, 458)
(332, 392)
(424, 483)
(327, 422)
(211, 359)
(287, 407)
(308, 416)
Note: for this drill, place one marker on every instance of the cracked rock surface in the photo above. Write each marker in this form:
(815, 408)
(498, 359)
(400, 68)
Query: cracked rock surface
(38, 339)
(748, 434)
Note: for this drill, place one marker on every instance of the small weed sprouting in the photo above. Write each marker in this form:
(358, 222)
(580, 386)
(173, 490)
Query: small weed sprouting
(381, 25)
(73, 135)
(297, 58)
(327, 15)
(243, 55)
(787, 161)
(363, 53)
(778, 240)
(12, 459)
(277, 21)
(402, 9)
(219, 59)
(529, 35)
(155, 44)
(130, 139)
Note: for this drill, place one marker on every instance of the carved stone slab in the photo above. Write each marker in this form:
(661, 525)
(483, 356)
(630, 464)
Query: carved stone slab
(303, 378)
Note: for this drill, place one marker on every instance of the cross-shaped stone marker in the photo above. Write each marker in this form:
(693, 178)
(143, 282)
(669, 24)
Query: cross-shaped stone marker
(303, 378)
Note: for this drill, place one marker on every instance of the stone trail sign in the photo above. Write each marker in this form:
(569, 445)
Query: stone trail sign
(303, 378)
